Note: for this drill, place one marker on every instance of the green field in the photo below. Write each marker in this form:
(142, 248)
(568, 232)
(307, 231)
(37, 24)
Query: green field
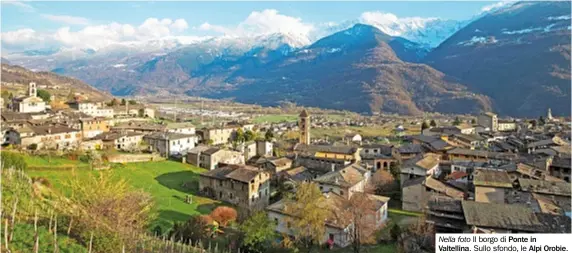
(24, 240)
(168, 182)
(275, 118)
(53, 161)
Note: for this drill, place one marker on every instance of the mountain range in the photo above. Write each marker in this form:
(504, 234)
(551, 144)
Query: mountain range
(514, 61)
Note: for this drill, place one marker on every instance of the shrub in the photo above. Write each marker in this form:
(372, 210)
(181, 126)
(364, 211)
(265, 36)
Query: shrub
(224, 215)
(13, 160)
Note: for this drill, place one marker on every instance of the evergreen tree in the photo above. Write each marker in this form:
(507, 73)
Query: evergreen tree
(269, 135)
(433, 123)
(239, 137)
(249, 135)
(541, 121)
(44, 95)
(457, 121)
(424, 125)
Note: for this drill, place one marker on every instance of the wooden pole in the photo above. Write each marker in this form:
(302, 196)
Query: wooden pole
(36, 237)
(6, 234)
(13, 218)
(56, 248)
(90, 242)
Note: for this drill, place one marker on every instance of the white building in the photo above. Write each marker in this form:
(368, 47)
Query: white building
(30, 103)
(488, 120)
(91, 108)
(264, 148)
(506, 126)
(167, 143)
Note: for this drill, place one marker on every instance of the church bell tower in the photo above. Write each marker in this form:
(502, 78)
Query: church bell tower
(304, 125)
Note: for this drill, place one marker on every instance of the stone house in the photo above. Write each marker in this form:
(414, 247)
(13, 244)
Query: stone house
(274, 166)
(46, 136)
(248, 149)
(209, 157)
(379, 156)
(126, 141)
(264, 148)
(93, 126)
(421, 166)
(346, 181)
(491, 186)
(337, 229)
(324, 157)
(169, 143)
(416, 193)
(241, 185)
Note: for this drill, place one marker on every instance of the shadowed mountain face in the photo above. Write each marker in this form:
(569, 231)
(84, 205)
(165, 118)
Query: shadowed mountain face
(519, 57)
(358, 69)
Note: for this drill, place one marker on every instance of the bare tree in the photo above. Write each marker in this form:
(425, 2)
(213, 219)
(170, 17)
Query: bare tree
(361, 211)
(418, 237)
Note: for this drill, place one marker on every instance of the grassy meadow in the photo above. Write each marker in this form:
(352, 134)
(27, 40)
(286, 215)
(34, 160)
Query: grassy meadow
(168, 182)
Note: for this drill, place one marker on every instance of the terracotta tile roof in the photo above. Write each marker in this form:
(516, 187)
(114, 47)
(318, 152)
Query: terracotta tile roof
(346, 177)
(544, 187)
(501, 216)
(492, 178)
(242, 173)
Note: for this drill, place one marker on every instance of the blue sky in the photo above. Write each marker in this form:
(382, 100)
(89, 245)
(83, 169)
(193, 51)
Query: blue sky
(60, 22)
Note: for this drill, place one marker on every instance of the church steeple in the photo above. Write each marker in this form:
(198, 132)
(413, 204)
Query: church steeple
(32, 89)
(549, 114)
(304, 125)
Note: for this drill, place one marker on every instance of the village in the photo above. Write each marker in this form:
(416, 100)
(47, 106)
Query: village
(476, 174)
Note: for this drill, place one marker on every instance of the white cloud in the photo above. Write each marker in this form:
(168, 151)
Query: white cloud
(19, 4)
(22, 36)
(70, 20)
(264, 22)
(97, 36)
(496, 6)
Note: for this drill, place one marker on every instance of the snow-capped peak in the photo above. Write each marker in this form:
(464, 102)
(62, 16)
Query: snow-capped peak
(429, 32)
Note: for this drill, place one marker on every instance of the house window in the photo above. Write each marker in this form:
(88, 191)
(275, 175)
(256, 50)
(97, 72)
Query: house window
(220, 183)
(342, 193)
(220, 195)
(276, 221)
(231, 195)
(321, 188)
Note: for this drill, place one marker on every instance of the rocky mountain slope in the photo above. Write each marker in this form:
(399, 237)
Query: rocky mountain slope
(17, 78)
(518, 56)
(359, 69)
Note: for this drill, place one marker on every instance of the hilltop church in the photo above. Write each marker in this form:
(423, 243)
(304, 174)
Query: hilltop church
(30, 103)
